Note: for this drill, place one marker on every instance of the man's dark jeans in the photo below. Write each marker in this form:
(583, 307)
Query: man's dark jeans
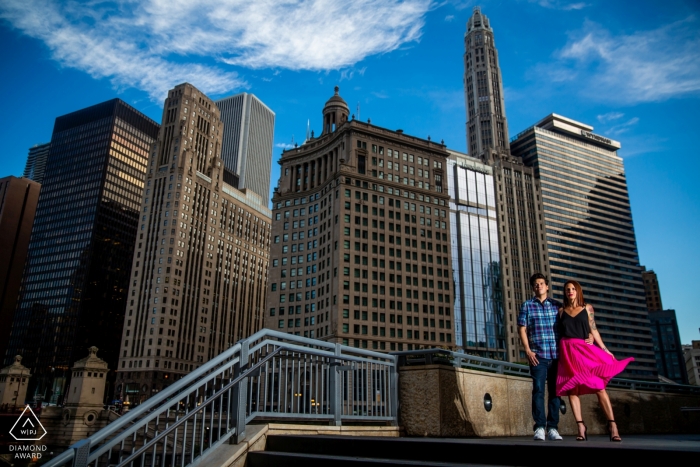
(545, 371)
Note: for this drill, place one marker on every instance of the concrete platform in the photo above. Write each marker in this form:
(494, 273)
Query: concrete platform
(680, 442)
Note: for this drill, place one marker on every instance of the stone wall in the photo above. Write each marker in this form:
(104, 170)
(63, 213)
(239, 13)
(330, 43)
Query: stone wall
(443, 401)
(66, 426)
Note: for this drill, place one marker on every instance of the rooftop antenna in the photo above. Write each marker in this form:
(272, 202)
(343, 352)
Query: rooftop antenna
(358, 110)
(308, 124)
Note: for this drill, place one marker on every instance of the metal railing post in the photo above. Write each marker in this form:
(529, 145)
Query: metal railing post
(394, 389)
(240, 392)
(81, 451)
(334, 383)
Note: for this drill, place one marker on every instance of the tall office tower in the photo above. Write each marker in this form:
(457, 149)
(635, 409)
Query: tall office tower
(361, 250)
(77, 272)
(487, 128)
(249, 128)
(518, 201)
(200, 266)
(651, 290)
(36, 162)
(18, 200)
(476, 263)
(590, 234)
(667, 346)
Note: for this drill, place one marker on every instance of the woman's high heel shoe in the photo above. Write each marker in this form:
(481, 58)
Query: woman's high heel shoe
(585, 432)
(616, 438)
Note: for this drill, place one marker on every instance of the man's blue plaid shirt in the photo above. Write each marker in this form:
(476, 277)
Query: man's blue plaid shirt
(540, 318)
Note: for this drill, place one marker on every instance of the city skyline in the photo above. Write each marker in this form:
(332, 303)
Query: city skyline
(575, 66)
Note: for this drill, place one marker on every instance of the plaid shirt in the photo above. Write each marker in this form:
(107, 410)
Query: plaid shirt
(540, 319)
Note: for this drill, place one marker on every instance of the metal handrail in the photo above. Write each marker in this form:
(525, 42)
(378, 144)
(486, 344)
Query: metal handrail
(473, 362)
(271, 375)
(461, 360)
(221, 391)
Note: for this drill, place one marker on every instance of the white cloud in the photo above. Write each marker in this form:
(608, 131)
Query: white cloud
(461, 4)
(622, 127)
(349, 73)
(644, 66)
(155, 44)
(103, 55)
(284, 145)
(561, 5)
(449, 18)
(380, 94)
(610, 116)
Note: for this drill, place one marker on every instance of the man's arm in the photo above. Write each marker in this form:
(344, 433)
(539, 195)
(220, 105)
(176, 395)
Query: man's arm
(531, 356)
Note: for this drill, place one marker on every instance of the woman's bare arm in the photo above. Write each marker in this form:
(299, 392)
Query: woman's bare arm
(594, 328)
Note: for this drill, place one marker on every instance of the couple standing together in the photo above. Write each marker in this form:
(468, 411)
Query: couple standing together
(565, 351)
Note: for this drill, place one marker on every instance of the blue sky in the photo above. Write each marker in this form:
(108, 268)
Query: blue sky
(630, 69)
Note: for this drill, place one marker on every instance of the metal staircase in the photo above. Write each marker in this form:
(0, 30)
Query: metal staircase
(271, 375)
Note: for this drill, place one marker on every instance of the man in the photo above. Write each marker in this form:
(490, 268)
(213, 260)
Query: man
(537, 326)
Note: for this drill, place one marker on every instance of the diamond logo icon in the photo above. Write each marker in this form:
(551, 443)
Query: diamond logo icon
(28, 427)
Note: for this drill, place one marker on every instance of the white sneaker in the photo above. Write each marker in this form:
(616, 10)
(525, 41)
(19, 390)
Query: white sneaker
(553, 435)
(539, 434)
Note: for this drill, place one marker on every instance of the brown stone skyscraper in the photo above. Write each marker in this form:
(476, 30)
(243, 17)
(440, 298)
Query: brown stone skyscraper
(200, 264)
(361, 238)
(651, 290)
(18, 200)
(518, 200)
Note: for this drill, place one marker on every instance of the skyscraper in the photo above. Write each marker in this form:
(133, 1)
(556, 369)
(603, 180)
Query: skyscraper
(691, 353)
(517, 193)
(361, 238)
(651, 290)
(668, 350)
(77, 272)
(664, 332)
(487, 128)
(200, 266)
(18, 200)
(249, 127)
(36, 162)
(589, 231)
(476, 262)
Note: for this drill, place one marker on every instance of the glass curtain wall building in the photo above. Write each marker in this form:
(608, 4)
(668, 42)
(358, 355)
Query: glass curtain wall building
(589, 231)
(36, 162)
(76, 277)
(476, 261)
(667, 345)
(519, 205)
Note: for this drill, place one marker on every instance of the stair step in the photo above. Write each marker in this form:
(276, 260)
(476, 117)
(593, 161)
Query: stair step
(431, 451)
(287, 459)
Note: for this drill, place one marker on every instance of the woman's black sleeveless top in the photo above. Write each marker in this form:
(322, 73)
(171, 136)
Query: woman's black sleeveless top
(576, 327)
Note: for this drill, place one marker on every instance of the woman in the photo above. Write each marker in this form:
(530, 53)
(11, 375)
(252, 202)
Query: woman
(584, 369)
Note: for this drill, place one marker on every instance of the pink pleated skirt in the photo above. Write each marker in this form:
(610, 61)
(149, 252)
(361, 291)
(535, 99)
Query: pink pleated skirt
(585, 369)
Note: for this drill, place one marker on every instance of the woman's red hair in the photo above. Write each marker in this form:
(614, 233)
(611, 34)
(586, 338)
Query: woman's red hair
(579, 295)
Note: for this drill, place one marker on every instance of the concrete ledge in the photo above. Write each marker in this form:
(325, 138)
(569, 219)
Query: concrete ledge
(446, 402)
(291, 429)
(235, 455)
